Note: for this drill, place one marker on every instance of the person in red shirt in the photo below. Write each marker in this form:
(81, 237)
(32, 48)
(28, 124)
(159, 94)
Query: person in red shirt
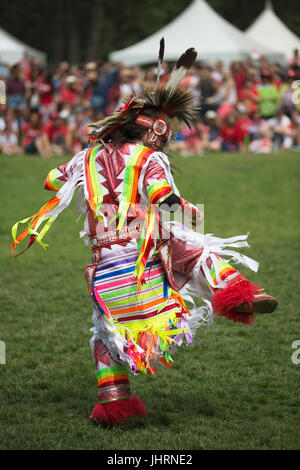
(244, 122)
(34, 139)
(239, 75)
(45, 89)
(69, 93)
(249, 95)
(196, 138)
(57, 131)
(232, 134)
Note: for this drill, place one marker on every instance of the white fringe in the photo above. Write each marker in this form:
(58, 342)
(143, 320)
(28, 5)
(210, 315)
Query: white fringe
(213, 246)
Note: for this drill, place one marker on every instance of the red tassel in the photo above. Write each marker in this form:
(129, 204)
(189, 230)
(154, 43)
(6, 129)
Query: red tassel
(116, 412)
(226, 300)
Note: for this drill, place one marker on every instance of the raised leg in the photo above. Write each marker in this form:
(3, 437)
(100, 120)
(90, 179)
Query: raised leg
(232, 295)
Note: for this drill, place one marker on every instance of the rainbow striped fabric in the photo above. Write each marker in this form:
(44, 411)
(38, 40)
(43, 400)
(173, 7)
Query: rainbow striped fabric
(113, 383)
(131, 179)
(92, 181)
(148, 316)
(159, 191)
(227, 272)
(52, 182)
(115, 284)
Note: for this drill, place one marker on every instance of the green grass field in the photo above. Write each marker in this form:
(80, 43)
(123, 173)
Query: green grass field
(240, 390)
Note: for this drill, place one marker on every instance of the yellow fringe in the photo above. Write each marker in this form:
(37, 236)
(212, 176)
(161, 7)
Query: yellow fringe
(155, 326)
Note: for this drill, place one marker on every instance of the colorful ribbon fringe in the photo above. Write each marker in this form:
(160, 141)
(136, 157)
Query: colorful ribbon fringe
(52, 182)
(159, 191)
(129, 200)
(35, 221)
(131, 179)
(93, 185)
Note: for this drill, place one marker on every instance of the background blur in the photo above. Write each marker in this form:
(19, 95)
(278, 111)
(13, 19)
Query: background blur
(79, 31)
(61, 76)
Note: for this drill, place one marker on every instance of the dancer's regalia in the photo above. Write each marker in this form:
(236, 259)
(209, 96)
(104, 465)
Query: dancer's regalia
(146, 271)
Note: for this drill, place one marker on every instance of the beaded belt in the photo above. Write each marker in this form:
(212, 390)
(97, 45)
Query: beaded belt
(115, 235)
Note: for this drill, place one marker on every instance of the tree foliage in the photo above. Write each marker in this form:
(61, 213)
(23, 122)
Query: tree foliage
(78, 30)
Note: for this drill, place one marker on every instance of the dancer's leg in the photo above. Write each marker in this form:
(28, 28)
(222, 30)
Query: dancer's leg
(115, 404)
(237, 299)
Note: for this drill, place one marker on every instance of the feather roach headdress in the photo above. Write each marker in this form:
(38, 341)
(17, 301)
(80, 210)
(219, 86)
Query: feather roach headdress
(168, 101)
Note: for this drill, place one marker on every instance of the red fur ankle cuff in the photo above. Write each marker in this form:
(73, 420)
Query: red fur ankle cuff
(226, 300)
(116, 412)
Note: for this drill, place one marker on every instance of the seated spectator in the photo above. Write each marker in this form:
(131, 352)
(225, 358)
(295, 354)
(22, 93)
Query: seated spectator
(295, 118)
(191, 80)
(244, 122)
(15, 90)
(165, 69)
(239, 74)
(91, 80)
(10, 118)
(79, 131)
(283, 131)
(45, 90)
(57, 131)
(226, 95)
(128, 84)
(9, 141)
(263, 142)
(178, 145)
(31, 84)
(196, 138)
(207, 91)
(108, 76)
(257, 126)
(287, 91)
(232, 134)
(268, 96)
(249, 95)
(69, 92)
(214, 141)
(34, 140)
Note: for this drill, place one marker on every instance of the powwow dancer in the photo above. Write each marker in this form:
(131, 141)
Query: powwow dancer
(144, 269)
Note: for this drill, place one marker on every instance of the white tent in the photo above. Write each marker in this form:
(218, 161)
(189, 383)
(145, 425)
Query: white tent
(197, 26)
(272, 32)
(12, 50)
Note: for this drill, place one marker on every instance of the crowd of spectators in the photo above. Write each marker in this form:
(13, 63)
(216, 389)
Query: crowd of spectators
(250, 106)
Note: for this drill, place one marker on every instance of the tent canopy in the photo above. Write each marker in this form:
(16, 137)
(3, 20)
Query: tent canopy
(12, 50)
(272, 32)
(198, 26)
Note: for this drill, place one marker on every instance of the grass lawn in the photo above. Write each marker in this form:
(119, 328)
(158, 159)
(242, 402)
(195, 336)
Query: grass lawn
(239, 390)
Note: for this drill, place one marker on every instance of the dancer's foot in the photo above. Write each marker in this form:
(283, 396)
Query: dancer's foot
(116, 412)
(262, 303)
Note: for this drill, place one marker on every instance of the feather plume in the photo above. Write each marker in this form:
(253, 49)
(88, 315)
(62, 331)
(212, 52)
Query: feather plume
(160, 59)
(161, 49)
(179, 103)
(181, 68)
